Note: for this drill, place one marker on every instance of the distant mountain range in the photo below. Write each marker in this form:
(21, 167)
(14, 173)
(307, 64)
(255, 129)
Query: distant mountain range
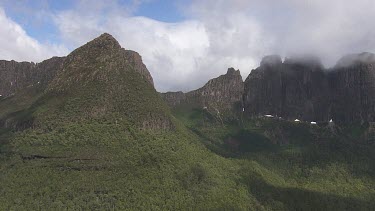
(296, 88)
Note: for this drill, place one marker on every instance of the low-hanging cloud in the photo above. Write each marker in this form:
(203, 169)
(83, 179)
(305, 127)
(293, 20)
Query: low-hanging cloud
(328, 29)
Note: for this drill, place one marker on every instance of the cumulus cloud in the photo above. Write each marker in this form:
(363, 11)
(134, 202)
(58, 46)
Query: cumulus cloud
(180, 56)
(17, 45)
(172, 52)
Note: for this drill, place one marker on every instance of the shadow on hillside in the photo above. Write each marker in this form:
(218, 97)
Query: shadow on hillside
(281, 198)
(247, 144)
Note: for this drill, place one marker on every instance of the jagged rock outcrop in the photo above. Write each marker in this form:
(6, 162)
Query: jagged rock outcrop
(219, 94)
(135, 60)
(15, 76)
(302, 88)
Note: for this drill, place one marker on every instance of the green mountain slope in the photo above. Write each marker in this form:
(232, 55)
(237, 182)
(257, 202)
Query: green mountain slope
(294, 166)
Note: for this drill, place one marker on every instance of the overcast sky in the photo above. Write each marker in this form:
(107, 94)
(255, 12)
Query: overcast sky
(184, 43)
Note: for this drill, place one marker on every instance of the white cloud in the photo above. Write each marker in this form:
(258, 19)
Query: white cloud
(171, 51)
(180, 56)
(17, 45)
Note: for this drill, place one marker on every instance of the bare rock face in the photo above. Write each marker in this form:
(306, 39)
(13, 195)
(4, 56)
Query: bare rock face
(352, 83)
(293, 89)
(174, 98)
(134, 59)
(301, 88)
(220, 94)
(16, 76)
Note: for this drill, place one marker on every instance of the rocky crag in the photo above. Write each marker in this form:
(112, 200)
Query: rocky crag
(291, 89)
(220, 95)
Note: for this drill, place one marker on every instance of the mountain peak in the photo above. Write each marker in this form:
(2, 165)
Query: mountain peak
(105, 41)
(232, 71)
(108, 80)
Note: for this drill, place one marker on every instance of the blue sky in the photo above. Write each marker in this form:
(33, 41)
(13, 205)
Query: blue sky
(163, 10)
(30, 14)
(184, 43)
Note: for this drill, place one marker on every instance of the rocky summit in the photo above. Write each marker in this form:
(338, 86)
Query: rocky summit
(221, 94)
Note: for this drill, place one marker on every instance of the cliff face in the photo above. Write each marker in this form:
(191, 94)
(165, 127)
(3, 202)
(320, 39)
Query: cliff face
(16, 76)
(295, 88)
(353, 88)
(219, 94)
(135, 60)
(303, 89)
